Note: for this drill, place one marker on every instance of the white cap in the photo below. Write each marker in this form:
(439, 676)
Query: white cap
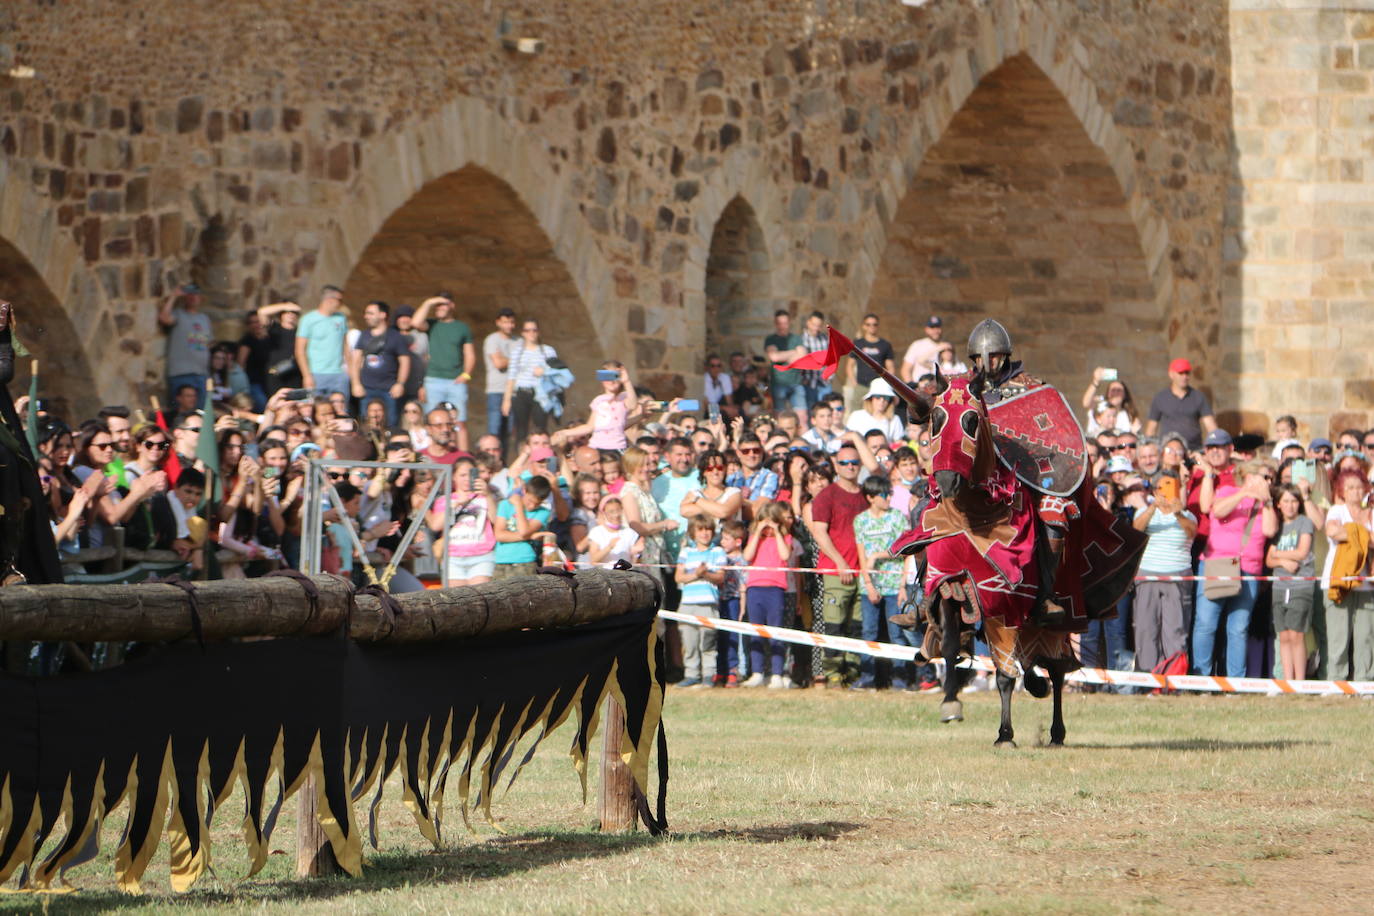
(1119, 463)
(880, 389)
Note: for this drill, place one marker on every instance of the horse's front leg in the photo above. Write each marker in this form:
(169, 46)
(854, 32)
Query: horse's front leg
(1005, 685)
(951, 710)
(1057, 723)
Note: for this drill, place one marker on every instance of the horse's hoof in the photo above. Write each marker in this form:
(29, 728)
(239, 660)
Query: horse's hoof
(1056, 744)
(1005, 745)
(952, 711)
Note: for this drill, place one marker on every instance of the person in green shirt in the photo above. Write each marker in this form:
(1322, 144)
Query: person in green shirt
(452, 356)
(783, 347)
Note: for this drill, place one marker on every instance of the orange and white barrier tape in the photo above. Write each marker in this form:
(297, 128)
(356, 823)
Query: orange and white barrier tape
(1188, 682)
(814, 571)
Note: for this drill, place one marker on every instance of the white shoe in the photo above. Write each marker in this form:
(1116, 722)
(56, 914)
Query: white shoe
(754, 680)
(778, 682)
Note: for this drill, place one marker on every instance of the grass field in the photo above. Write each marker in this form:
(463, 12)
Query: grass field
(823, 801)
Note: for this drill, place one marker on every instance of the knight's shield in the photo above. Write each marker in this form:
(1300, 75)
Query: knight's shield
(1039, 439)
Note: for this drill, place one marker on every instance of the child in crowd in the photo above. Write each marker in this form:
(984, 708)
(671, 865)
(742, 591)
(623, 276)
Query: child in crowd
(881, 576)
(609, 410)
(1290, 557)
(770, 545)
(732, 535)
(520, 526)
(612, 539)
(700, 575)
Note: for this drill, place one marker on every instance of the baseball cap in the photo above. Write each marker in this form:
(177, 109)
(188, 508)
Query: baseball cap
(934, 322)
(880, 389)
(1180, 365)
(541, 453)
(1118, 464)
(1216, 436)
(1319, 442)
(403, 311)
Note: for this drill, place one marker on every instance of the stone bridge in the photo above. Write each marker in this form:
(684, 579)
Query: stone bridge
(1121, 181)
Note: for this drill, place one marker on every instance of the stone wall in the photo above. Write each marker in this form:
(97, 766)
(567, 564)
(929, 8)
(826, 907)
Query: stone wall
(1300, 216)
(399, 147)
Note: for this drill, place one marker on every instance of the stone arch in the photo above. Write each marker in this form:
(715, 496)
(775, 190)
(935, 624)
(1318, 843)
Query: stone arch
(413, 164)
(63, 315)
(469, 233)
(1024, 171)
(1006, 31)
(740, 210)
(739, 304)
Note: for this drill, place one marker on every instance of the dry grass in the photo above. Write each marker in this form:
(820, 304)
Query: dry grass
(828, 802)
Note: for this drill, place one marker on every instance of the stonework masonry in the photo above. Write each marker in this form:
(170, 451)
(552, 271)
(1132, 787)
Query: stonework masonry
(664, 175)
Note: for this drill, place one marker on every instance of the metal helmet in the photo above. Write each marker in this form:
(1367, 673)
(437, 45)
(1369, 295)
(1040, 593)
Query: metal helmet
(989, 337)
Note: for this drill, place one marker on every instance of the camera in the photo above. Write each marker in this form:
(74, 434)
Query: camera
(1109, 375)
(297, 394)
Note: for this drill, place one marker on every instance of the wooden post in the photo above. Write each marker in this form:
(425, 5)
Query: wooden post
(314, 855)
(617, 798)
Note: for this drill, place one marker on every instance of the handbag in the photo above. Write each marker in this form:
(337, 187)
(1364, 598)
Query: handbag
(1226, 566)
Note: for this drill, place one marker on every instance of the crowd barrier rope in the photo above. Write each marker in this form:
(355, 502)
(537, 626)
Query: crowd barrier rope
(1146, 679)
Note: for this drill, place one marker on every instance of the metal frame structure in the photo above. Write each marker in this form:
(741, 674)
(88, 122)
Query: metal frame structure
(318, 486)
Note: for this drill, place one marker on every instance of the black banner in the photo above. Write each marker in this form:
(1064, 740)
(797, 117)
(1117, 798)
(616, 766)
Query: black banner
(172, 734)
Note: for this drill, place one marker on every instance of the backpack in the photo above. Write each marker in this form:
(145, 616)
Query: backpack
(1173, 664)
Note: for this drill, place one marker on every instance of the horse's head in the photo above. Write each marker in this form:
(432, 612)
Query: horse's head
(960, 438)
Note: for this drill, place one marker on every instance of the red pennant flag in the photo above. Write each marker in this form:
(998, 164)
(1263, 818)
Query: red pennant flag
(827, 360)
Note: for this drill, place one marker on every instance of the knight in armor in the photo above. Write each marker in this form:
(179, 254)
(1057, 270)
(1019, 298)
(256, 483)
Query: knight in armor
(990, 351)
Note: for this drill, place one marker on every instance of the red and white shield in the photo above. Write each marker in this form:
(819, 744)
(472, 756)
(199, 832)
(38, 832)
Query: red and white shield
(1039, 439)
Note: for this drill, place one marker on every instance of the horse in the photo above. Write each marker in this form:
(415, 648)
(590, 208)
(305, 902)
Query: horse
(979, 528)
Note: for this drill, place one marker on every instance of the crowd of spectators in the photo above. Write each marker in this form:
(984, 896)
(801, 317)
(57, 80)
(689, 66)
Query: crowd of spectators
(772, 498)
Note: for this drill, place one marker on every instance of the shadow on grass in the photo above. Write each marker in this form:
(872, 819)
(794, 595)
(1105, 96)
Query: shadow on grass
(492, 858)
(1198, 744)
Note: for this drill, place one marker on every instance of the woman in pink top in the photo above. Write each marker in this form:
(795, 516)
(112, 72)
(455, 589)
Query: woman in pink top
(471, 538)
(770, 545)
(1232, 511)
(609, 411)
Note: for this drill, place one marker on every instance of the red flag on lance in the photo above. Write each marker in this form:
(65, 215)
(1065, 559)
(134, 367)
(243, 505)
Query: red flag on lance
(828, 360)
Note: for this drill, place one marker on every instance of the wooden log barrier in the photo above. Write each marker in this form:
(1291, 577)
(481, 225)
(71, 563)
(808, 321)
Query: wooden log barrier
(274, 606)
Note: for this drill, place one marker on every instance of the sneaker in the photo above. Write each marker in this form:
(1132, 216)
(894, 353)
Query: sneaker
(930, 687)
(718, 681)
(689, 682)
(778, 682)
(754, 680)
(732, 680)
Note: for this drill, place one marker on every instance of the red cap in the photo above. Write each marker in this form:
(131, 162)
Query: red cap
(1180, 365)
(541, 453)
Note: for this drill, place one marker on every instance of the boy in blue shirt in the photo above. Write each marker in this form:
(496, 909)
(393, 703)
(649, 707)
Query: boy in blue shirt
(699, 574)
(728, 645)
(520, 520)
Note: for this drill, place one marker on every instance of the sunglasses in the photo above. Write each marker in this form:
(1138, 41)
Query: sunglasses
(160, 446)
(102, 445)
(190, 429)
(848, 462)
(1117, 448)
(715, 467)
(750, 450)
(396, 446)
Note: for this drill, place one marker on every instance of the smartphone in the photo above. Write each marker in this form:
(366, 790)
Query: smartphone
(1305, 469)
(689, 405)
(713, 412)
(472, 478)
(297, 394)
(1109, 375)
(607, 375)
(1167, 488)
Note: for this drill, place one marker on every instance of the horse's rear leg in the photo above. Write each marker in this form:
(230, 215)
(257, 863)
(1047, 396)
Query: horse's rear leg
(1057, 723)
(951, 710)
(1005, 686)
